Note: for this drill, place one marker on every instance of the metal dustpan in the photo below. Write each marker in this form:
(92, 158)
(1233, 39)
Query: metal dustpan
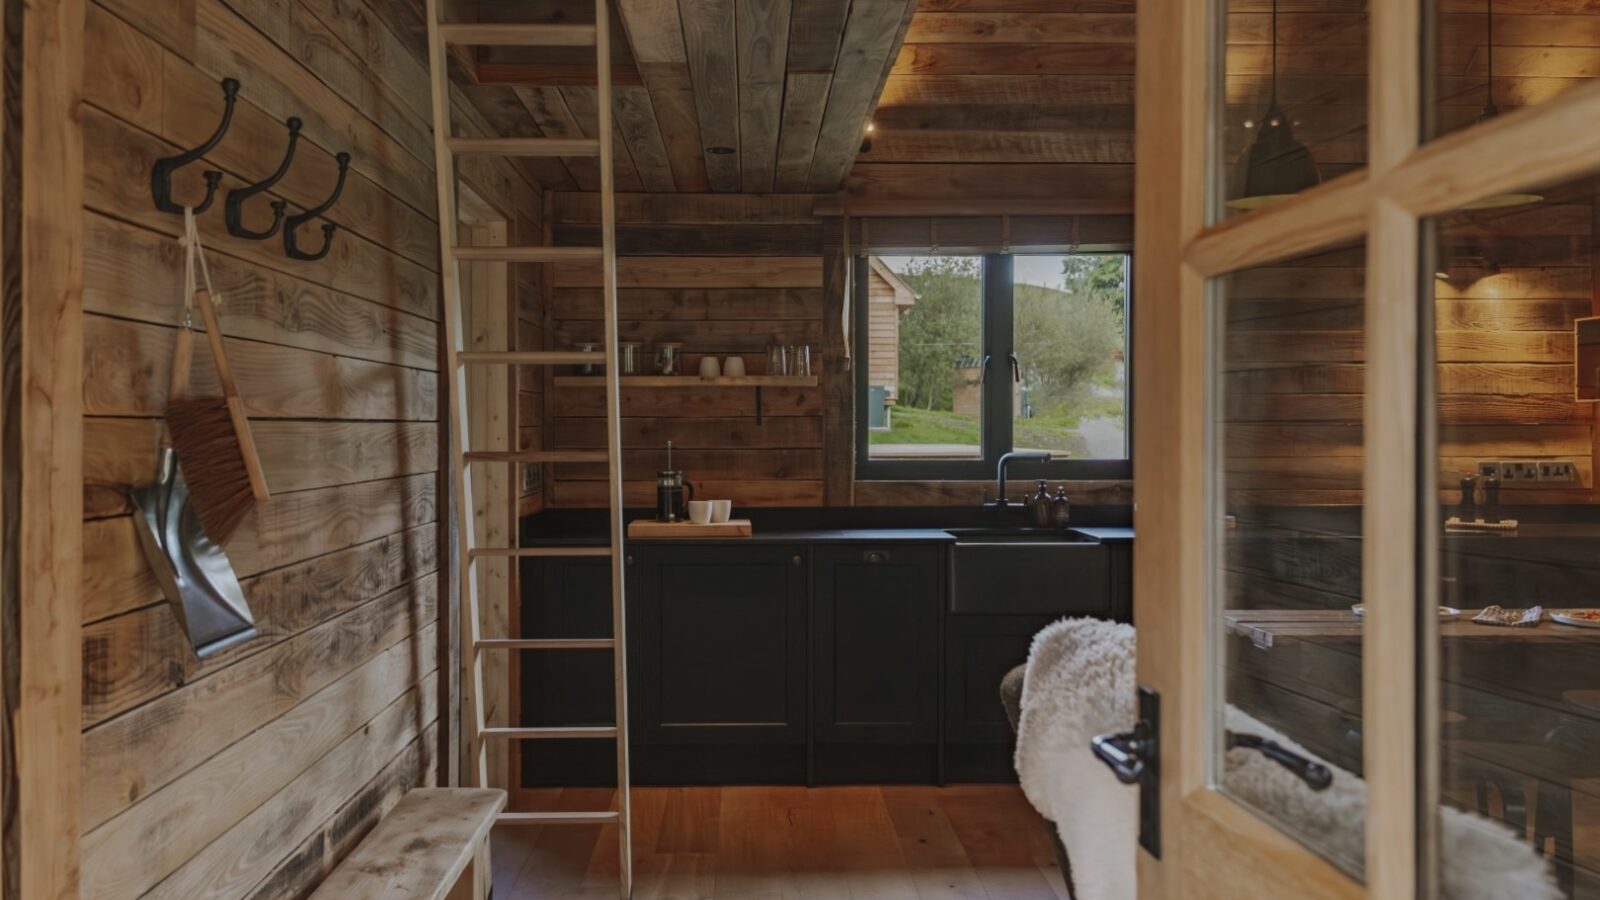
(194, 573)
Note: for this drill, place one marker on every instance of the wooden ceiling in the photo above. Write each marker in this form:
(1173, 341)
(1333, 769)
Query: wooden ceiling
(1018, 97)
(750, 96)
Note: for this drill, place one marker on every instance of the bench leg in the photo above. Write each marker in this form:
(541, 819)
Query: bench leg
(474, 881)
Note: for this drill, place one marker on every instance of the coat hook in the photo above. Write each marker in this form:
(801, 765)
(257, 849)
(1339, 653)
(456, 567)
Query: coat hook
(234, 209)
(291, 244)
(161, 174)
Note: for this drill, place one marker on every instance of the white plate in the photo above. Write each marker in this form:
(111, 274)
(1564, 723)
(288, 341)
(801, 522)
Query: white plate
(1562, 617)
(1446, 613)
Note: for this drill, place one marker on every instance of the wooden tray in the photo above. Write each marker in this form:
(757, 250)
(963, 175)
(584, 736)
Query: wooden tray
(650, 529)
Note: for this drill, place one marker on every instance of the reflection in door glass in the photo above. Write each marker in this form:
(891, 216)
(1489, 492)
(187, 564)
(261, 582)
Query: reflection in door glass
(1294, 98)
(1492, 57)
(1519, 542)
(1286, 468)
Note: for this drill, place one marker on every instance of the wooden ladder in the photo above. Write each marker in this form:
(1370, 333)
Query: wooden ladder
(446, 147)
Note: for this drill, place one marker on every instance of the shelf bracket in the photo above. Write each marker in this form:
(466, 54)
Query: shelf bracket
(758, 404)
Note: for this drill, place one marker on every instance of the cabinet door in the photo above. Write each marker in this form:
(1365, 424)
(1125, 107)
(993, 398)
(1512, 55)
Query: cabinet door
(720, 644)
(876, 636)
(979, 651)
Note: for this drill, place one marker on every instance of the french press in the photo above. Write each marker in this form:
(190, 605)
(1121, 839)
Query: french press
(673, 493)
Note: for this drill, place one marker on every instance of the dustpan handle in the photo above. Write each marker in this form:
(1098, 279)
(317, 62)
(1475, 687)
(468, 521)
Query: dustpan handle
(230, 392)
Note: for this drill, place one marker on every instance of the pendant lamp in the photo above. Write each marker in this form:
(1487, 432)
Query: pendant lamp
(1489, 111)
(1277, 166)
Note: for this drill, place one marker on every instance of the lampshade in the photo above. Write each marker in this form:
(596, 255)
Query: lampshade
(1277, 165)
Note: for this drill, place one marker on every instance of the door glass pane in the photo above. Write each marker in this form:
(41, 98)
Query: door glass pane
(924, 357)
(1491, 57)
(1294, 98)
(1517, 519)
(1286, 468)
(1071, 395)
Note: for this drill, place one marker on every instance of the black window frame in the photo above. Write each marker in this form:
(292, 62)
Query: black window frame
(997, 431)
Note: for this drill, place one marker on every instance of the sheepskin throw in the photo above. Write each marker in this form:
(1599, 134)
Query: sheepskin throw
(1080, 683)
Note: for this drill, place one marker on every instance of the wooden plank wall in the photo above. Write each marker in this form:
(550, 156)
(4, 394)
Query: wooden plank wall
(1293, 361)
(765, 286)
(755, 278)
(250, 773)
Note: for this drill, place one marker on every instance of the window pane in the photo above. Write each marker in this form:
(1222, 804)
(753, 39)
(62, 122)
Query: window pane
(924, 357)
(1294, 84)
(1516, 510)
(1286, 540)
(1492, 57)
(1071, 381)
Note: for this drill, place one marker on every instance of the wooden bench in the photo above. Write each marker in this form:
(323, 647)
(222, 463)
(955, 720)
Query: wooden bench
(433, 846)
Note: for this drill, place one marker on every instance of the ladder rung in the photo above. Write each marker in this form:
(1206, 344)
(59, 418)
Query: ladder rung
(526, 146)
(528, 254)
(476, 34)
(541, 552)
(538, 456)
(532, 357)
(556, 818)
(559, 732)
(546, 644)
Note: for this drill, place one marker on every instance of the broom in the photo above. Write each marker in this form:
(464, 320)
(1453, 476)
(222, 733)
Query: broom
(211, 434)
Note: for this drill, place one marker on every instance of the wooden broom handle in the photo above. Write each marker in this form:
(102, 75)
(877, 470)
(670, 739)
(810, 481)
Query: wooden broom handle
(230, 392)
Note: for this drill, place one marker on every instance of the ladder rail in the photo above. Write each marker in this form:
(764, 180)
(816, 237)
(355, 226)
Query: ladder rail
(472, 642)
(456, 387)
(613, 382)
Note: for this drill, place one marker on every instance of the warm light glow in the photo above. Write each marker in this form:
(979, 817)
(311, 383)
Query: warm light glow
(1261, 202)
(871, 128)
(1504, 201)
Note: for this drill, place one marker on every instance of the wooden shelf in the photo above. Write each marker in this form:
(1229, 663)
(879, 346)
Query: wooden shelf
(690, 381)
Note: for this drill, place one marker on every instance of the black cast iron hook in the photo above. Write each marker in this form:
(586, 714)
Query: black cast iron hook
(291, 244)
(234, 209)
(161, 174)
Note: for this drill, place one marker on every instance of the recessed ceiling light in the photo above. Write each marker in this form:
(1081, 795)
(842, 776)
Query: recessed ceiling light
(719, 151)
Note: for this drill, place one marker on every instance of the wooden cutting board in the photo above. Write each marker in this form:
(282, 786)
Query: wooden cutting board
(650, 529)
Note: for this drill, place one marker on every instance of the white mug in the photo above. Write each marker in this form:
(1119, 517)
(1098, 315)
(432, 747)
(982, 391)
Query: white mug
(709, 367)
(733, 367)
(700, 512)
(721, 510)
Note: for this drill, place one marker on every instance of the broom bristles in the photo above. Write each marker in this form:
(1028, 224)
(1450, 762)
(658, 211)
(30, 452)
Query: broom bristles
(212, 462)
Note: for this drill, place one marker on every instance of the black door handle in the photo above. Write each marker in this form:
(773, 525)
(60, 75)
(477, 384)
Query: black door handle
(1125, 753)
(1135, 758)
(1316, 775)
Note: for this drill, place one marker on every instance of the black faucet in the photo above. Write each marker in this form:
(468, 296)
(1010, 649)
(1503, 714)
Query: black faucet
(1000, 501)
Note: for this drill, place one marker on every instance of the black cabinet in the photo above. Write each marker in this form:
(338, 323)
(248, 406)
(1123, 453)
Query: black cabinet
(718, 640)
(877, 643)
(875, 646)
(979, 651)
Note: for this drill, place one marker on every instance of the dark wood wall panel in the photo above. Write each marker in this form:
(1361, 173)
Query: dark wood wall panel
(252, 772)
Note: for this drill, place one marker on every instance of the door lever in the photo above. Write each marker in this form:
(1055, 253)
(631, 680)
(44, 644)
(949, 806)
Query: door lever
(1125, 753)
(1135, 758)
(1316, 775)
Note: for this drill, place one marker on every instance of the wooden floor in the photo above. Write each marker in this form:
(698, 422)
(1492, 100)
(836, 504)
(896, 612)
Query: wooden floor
(969, 842)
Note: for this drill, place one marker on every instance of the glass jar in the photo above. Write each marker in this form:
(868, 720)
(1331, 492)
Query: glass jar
(628, 358)
(669, 359)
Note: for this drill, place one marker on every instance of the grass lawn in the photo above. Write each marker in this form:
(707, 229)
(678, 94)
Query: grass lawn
(925, 426)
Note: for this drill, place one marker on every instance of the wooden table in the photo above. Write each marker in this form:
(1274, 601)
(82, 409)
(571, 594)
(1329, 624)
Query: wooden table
(1263, 626)
(1518, 704)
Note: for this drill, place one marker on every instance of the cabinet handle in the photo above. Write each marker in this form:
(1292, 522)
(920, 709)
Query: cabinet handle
(875, 557)
(629, 559)
(798, 560)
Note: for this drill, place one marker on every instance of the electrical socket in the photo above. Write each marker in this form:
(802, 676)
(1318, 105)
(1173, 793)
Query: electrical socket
(1487, 468)
(1558, 470)
(1518, 471)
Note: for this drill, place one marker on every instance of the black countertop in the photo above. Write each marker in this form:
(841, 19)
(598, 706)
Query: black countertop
(826, 526)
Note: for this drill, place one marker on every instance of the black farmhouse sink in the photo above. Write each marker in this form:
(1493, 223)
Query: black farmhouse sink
(1027, 571)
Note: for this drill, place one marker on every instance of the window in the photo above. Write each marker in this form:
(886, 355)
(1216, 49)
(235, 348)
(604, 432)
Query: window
(965, 358)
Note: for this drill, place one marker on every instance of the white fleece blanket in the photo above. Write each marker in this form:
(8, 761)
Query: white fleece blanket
(1080, 682)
